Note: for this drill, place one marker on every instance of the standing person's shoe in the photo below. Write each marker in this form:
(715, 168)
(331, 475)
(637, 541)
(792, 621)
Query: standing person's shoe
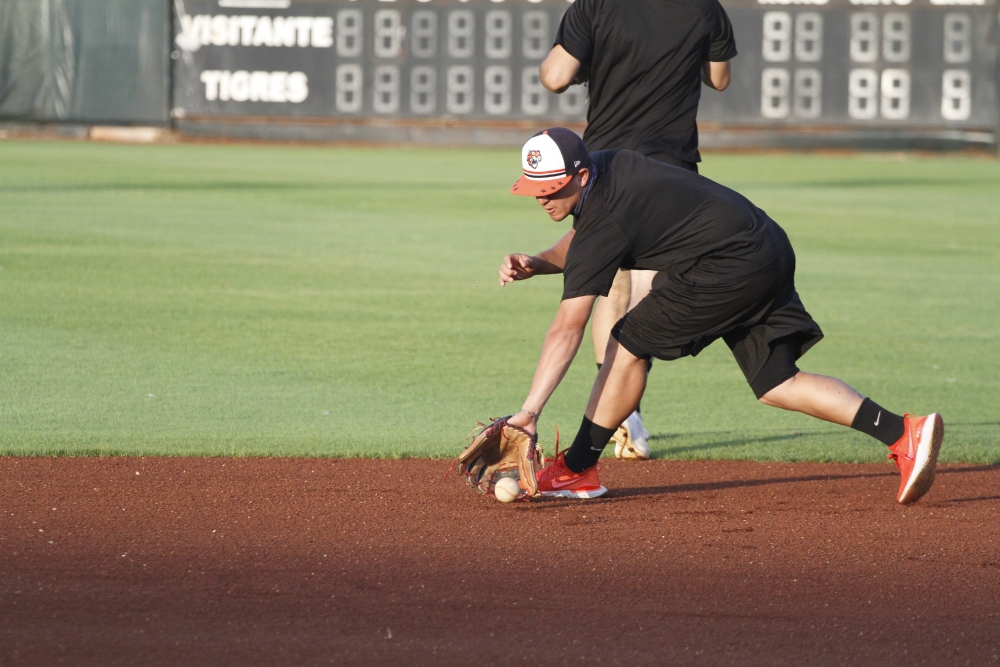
(630, 439)
(559, 481)
(916, 455)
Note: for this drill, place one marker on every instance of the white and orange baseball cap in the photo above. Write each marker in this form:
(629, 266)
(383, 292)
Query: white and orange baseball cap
(549, 160)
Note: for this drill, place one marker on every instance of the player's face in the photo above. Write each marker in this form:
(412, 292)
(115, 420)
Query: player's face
(560, 205)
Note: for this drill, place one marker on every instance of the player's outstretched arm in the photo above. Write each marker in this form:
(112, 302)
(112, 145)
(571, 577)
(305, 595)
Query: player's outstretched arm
(558, 69)
(561, 344)
(519, 266)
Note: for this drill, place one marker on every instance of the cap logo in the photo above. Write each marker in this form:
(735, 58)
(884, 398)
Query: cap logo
(534, 158)
(576, 163)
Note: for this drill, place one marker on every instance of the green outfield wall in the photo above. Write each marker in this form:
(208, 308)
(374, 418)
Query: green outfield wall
(99, 61)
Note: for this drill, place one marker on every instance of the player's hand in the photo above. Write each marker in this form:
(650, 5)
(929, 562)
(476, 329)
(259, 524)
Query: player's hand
(517, 267)
(525, 420)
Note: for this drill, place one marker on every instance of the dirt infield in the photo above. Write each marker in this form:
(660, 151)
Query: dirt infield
(348, 562)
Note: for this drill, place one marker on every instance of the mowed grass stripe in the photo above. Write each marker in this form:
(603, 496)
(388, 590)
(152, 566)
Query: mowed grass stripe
(294, 301)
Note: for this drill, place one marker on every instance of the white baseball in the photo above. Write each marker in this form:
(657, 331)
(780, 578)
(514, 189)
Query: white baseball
(506, 489)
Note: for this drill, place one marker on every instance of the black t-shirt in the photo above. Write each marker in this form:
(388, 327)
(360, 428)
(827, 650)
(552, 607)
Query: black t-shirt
(643, 59)
(643, 214)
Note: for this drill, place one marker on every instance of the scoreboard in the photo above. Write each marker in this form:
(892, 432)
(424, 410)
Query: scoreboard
(859, 63)
(918, 64)
(369, 58)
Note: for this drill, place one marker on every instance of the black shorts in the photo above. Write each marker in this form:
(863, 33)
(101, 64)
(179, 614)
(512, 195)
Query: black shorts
(746, 297)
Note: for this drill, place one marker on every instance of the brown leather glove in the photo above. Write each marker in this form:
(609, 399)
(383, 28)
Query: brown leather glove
(500, 450)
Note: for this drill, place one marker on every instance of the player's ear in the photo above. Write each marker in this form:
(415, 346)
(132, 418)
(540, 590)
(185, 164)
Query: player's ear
(584, 175)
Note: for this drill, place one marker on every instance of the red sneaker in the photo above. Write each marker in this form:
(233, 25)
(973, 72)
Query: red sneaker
(558, 480)
(916, 455)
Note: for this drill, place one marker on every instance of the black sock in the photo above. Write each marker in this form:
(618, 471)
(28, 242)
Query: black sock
(878, 422)
(588, 445)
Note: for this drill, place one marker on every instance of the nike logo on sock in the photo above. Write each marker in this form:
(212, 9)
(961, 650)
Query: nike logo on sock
(597, 449)
(879, 417)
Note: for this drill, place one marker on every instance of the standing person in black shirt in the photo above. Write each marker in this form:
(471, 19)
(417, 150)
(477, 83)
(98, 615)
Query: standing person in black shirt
(645, 61)
(724, 270)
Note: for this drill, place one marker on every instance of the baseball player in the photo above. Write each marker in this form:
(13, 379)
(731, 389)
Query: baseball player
(645, 62)
(724, 270)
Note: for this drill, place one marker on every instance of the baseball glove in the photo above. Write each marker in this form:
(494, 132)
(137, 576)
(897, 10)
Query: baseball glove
(500, 450)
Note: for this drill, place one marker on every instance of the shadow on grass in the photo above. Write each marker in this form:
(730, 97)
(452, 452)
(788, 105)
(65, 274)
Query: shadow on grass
(972, 424)
(887, 182)
(735, 442)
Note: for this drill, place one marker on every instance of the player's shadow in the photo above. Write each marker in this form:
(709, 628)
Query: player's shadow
(967, 500)
(721, 485)
(986, 467)
(630, 493)
(967, 469)
(625, 494)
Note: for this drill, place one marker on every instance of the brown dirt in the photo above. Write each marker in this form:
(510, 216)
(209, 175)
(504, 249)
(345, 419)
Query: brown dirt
(300, 562)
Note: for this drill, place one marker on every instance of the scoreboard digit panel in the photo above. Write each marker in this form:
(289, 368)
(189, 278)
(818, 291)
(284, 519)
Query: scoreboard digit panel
(840, 64)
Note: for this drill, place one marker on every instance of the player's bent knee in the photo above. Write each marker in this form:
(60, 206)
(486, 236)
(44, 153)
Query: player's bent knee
(773, 401)
(782, 396)
(620, 359)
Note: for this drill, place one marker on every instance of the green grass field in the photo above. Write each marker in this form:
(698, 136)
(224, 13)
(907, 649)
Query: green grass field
(262, 300)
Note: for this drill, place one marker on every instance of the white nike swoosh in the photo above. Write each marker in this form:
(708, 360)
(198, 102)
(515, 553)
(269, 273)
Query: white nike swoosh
(879, 417)
(598, 449)
(556, 484)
